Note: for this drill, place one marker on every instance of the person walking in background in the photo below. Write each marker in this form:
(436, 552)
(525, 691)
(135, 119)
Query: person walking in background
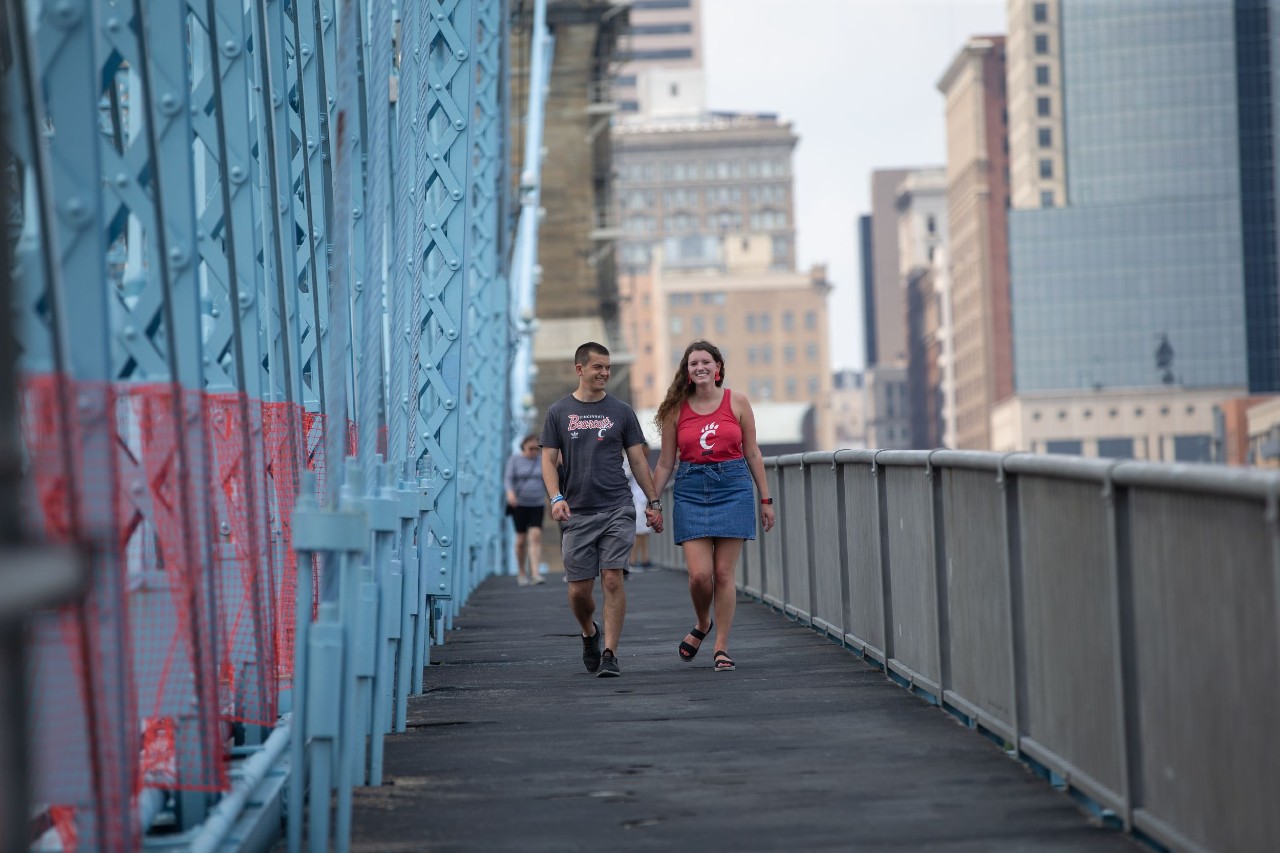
(640, 550)
(589, 430)
(712, 433)
(526, 504)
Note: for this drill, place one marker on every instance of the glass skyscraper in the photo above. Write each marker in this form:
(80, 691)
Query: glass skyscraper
(1162, 268)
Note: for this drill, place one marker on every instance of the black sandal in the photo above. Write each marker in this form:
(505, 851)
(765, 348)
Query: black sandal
(687, 650)
(724, 663)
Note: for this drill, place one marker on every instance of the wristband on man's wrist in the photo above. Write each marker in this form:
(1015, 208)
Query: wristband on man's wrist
(557, 499)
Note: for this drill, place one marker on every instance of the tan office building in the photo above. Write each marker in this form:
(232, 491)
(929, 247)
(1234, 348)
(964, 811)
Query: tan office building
(769, 323)
(1160, 424)
(659, 62)
(977, 198)
(1037, 158)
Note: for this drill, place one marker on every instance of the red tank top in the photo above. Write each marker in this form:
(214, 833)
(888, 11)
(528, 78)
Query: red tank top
(716, 437)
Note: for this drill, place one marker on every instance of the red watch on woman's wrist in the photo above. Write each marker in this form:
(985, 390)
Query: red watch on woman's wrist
(768, 501)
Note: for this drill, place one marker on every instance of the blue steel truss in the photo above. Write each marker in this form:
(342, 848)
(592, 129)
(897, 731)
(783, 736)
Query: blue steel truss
(226, 207)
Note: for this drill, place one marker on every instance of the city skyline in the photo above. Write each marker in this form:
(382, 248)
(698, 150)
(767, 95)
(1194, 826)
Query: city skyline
(889, 55)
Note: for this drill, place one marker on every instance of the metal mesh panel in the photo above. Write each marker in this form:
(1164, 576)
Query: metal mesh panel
(862, 539)
(912, 573)
(796, 531)
(828, 603)
(978, 591)
(773, 589)
(282, 429)
(1204, 632)
(1071, 649)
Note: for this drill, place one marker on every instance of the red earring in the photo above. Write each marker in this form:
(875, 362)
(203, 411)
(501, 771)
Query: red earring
(717, 376)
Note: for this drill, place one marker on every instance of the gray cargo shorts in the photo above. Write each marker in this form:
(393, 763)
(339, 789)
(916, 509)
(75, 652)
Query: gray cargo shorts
(590, 542)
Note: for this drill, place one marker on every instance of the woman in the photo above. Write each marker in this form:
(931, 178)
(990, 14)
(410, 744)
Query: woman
(523, 482)
(712, 431)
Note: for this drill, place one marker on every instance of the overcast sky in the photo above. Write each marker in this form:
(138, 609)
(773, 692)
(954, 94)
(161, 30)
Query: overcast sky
(858, 81)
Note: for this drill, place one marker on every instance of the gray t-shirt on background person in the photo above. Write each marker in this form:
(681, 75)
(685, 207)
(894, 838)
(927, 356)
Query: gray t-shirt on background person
(591, 436)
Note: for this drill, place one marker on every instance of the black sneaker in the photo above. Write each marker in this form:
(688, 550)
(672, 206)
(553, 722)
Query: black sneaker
(591, 649)
(608, 665)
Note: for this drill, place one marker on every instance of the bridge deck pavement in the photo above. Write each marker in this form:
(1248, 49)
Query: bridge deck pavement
(515, 747)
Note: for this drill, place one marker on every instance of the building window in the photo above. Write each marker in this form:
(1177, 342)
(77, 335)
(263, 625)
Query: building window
(811, 352)
(660, 29)
(1043, 107)
(931, 224)
(766, 354)
(811, 320)
(751, 322)
(677, 325)
(813, 386)
(660, 4)
(1040, 13)
(765, 322)
(788, 321)
(792, 387)
(1044, 136)
(1046, 168)
(789, 354)
(1042, 44)
(655, 55)
(1042, 75)
(1046, 198)
(720, 324)
(698, 324)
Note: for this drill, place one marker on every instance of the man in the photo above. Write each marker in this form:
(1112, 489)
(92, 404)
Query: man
(591, 499)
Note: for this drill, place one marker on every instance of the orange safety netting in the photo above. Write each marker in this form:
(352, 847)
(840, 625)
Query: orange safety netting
(283, 439)
(83, 745)
(172, 602)
(244, 562)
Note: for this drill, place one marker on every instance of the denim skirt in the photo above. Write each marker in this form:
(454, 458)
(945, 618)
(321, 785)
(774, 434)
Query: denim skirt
(714, 499)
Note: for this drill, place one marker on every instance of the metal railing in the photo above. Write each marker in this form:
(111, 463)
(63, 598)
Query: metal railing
(1115, 624)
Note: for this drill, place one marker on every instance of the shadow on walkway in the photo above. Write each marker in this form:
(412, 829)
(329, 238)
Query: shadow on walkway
(515, 747)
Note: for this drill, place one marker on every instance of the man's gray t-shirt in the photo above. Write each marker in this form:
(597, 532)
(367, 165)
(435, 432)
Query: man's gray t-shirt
(592, 437)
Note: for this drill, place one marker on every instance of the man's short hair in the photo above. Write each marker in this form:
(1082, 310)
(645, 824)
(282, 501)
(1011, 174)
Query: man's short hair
(584, 352)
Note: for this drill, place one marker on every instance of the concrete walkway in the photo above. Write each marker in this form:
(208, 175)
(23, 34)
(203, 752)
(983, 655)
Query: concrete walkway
(515, 747)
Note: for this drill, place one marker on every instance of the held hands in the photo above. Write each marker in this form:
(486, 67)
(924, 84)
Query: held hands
(766, 516)
(653, 517)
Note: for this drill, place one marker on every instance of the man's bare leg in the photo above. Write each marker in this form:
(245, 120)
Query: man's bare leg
(582, 603)
(615, 606)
